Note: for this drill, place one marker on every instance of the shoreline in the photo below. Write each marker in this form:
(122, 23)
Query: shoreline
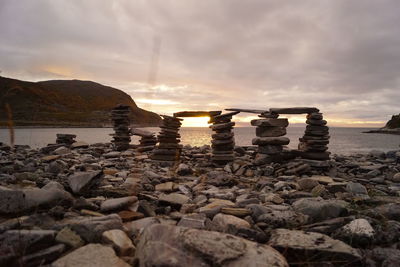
(100, 196)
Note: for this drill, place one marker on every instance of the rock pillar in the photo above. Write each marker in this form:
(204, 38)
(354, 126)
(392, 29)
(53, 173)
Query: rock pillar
(223, 141)
(168, 148)
(120, 118)
(313, 145)
(270, 141)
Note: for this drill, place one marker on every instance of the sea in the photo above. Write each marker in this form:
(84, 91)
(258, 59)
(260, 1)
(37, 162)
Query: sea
(344, 140)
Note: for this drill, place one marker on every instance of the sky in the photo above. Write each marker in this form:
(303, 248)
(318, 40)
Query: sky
(171, 55)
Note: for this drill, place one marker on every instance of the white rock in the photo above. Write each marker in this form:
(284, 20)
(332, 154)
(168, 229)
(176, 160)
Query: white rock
(120, 241)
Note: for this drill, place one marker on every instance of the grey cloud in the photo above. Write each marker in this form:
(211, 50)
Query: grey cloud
(338, 55)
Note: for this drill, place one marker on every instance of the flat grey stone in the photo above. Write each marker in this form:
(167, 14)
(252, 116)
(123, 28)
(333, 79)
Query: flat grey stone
(164, 245)
(91, 255)
(319, 209)
(81, 181)
(296, 245)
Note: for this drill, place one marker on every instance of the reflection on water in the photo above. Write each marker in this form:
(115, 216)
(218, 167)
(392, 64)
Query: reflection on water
(343, 140)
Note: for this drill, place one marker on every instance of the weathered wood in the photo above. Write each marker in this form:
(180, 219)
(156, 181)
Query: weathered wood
(197, 113)
(256, 111)
(295, 110)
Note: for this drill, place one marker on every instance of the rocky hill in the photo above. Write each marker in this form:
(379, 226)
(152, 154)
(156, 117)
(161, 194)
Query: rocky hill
(66, 103)
(391, 127)
(394, 122)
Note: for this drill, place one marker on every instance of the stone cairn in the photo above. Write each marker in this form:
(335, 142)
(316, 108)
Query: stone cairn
(223, 141)
(168, 148)
(120, 118)
(270, 141)
(67, 139)
(147, 141)
(313, 144)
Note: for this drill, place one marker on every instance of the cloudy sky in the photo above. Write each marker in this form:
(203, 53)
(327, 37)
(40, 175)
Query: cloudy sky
(341, 56)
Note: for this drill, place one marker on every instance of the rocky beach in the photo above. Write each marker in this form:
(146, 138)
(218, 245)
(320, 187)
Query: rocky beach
(90, 205)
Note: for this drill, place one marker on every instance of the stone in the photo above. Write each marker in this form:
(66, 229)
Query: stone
(270, 131)
(195, 220)
(356, 189)
(277, 215)
(319, 209)
(163, 245)
(135, 226)
(91, 255)
(62, 150)
(174, 198)
(184, 169)
(396, 178)
(79, 144)
(120, 242)
(224, 222)
(127, 215)
(50, 158)
(42, 257)
(27, 241)
(390, 211)
(165, 187)
(81, 181)
(270, 141)
(238, 212)
(295, 110)
(357, 232)
(270, 149)
(270, 122)
(92, 228)
(322, 179)
(316, 247)
(15, 201)
(307, 183)
(117, 203)
(69, 237)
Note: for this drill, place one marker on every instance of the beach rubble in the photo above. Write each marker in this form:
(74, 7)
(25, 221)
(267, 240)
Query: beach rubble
(95, 206)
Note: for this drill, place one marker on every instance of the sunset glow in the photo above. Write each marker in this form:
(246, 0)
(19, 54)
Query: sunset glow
(195, 122)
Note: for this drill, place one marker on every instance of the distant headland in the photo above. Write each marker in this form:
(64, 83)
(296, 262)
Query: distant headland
(391, 127)
(65, 103)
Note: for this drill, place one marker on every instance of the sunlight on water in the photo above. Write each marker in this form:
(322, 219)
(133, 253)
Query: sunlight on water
(343, 140)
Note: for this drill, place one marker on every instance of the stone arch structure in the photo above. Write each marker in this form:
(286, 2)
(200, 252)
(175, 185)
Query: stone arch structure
(271, 131)
(222, 143)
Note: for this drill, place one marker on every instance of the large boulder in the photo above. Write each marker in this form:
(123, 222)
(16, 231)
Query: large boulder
(92, 228)
(313, 248)
(165, 245)
(18, 200)
(91, 255)
(320, 209)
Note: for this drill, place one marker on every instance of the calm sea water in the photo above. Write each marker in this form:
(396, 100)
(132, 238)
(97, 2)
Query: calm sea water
(343, 140)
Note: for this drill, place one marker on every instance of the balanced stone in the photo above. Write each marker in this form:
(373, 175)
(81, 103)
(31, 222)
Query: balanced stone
(270, 122)
(67, 139)
(120, 118)
(313, 144)
(168, 138)
(271, 141)
(223, 141)
(296, 110)
(272, 131)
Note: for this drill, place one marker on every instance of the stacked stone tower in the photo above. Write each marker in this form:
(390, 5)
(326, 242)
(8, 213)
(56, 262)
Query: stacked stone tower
(67, 139)
(168, 148)
(314, 143)
(223, 141)
(270, 131)
(120, 118)
(147, 141)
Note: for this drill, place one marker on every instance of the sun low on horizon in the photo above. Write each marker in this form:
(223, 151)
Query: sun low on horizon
(195, 122)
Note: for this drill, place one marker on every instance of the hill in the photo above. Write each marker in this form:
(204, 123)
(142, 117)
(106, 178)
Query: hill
(393, 123)
(66, 103)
